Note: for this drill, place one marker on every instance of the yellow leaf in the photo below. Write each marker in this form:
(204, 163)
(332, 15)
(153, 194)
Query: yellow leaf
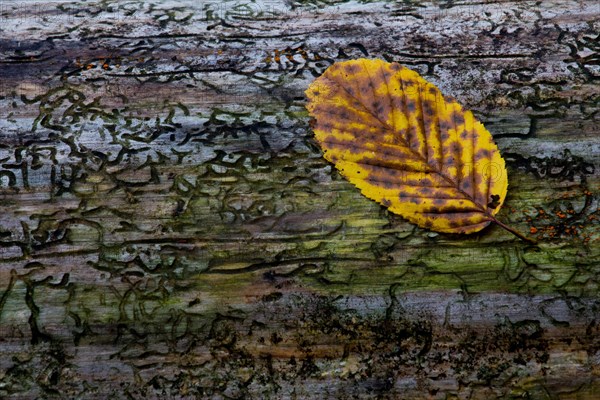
(407, 146)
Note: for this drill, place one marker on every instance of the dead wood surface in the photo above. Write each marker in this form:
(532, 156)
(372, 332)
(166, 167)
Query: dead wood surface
(169, 229)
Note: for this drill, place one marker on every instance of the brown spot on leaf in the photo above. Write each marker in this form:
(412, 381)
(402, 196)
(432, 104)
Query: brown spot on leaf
(351, 68)
(444, 127)
(458, 118)
(464, 221)
(495, 201)
(482, 154)
(455, 147)
(449, 99)
(387, 184)
(428, 108)
(478, 179)
(354, 148)
(326, 126)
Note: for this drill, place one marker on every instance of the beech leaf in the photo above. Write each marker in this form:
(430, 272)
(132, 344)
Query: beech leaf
(407, 146)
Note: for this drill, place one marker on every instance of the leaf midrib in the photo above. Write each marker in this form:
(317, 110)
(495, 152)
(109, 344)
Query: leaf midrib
(454, 184)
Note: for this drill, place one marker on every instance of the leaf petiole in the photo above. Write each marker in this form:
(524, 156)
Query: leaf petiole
(514, 231)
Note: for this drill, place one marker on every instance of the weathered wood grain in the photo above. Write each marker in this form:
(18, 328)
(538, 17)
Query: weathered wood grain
(168, 227)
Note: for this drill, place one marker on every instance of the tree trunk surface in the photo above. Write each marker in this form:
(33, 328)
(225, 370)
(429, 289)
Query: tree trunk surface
(170, 229)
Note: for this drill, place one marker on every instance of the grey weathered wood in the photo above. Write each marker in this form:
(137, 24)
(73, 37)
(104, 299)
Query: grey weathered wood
(169, 228)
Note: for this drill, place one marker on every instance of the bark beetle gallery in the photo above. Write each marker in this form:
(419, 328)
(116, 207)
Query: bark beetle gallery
(169, 227)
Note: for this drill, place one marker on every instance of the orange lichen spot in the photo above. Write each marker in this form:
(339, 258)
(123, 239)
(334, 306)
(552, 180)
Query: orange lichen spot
(533, 230)
(571, 230)
(90, 66)
(561, 214)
